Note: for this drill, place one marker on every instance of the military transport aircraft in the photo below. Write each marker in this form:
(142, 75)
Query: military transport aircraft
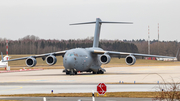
(85, 59)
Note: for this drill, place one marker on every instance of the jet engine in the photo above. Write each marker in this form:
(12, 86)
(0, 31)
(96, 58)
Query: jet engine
(31, 62)
(51, 60)
(105, 59)
(130, 60)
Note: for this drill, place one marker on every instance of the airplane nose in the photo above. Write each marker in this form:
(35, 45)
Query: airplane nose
(70, 62)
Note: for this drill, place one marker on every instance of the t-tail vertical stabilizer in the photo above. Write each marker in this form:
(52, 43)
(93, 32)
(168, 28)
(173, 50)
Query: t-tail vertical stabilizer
(98, 29)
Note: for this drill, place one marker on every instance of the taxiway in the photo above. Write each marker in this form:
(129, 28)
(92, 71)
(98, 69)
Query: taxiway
(53, 79)
(74, 99)
(149, 74)
(38, 88)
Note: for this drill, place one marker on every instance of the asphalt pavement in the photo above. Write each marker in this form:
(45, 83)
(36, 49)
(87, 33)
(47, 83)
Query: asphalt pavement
(36, 88)
(74, 99)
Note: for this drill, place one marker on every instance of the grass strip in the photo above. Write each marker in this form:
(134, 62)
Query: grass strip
(9, 100)
(115, 62)
(108, 94)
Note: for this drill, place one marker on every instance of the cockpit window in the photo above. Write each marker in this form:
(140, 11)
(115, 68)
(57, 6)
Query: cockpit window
(72, 55)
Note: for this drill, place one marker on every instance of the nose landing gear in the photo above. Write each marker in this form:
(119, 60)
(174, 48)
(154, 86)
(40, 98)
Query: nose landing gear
(70, 71)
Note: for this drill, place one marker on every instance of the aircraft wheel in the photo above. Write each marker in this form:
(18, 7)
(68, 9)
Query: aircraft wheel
(72, 72)
(67, 72)
(100, 72)
(94, 72)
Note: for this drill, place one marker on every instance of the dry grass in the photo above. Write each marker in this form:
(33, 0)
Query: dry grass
(9, 100)
(115, 62)
(108, 94)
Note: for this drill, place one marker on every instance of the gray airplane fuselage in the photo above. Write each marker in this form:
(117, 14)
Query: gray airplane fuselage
(81, 59)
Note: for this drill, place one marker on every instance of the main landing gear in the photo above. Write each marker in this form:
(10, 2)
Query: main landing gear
(98, 72)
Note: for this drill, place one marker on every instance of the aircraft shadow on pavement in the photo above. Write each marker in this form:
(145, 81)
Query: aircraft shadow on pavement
(62, 74)
(95, 74)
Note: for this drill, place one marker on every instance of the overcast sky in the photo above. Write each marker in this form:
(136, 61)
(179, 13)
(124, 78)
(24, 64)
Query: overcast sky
(50, 19)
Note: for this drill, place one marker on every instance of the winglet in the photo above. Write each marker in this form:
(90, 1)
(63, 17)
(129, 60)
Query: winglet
(2, 56)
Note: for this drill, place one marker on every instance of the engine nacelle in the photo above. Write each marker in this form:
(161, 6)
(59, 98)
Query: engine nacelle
(31, 62)
(105, 58)
(130, 60)
(51, 60)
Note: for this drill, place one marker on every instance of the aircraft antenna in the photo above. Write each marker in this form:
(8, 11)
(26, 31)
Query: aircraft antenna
(148, 40)
(6, 47)
(158, 38)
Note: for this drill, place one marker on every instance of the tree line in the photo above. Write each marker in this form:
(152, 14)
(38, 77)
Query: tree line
(166, 48)
(34, 45)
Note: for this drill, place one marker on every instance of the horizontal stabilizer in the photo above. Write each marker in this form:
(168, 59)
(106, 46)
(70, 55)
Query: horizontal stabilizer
(83, 23)
(117, 22)
(102, 22)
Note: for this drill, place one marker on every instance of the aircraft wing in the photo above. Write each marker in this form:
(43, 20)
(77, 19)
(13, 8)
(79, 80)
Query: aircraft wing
(118, 54)
(38, 56)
